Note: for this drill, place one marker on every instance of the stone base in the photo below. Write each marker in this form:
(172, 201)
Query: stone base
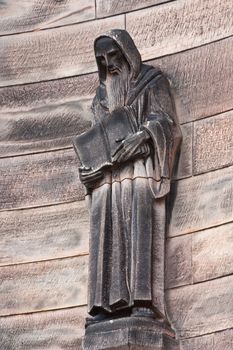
(135, 333)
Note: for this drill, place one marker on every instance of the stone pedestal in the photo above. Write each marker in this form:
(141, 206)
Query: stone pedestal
(135, 333)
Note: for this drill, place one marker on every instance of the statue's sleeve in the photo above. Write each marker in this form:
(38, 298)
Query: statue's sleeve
(162, 125)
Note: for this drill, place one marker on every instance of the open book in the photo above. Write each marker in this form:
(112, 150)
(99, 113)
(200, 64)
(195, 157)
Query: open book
(96, 146)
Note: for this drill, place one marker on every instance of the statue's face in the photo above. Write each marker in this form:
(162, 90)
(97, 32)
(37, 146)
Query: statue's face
(109, 55)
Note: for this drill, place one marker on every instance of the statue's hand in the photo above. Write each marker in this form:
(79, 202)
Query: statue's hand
(128, 146)
(89, 178)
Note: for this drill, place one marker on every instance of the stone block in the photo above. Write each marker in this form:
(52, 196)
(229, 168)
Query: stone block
(135, 333)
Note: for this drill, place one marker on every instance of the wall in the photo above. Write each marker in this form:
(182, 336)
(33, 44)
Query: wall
(47, 80)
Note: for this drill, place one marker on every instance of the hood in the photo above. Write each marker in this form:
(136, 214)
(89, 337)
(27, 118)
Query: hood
(125, 43)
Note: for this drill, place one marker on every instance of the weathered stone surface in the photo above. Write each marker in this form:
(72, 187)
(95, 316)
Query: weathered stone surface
(61, 329)
(201, 308)
(30, 97)
(112, 7)
(213, 143)
(201, 202)
(179, 261)
(44, 285)
(40, 179)
(212, 253)
(17, 17)
(43, 129)
(223, 340)
(198, 343)
(216, 341)
(52, 54)
(190, 259)
(44, 233)
(203, 86)
(44, 116)
(179, 25)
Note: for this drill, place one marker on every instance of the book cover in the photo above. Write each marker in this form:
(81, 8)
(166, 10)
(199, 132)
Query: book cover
(96, 146)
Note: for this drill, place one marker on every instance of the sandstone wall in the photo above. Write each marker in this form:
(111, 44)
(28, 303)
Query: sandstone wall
(47, 80)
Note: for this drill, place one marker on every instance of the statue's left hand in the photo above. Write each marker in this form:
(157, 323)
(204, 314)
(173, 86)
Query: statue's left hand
(89, 178)
(127, 148)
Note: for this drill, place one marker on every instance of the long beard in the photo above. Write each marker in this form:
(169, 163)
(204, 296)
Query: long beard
(117, 87)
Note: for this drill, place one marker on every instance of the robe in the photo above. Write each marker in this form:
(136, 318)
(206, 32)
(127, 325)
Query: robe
(128, 205)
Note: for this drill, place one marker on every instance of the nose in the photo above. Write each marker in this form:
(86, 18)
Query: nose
(109, 62)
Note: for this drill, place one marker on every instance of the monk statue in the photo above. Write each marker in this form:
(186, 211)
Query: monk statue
(135, 124)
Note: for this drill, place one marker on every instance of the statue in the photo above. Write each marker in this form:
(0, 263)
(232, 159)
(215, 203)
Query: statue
(127, 160)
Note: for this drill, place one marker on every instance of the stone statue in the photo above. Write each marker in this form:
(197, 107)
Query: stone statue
(127, 192)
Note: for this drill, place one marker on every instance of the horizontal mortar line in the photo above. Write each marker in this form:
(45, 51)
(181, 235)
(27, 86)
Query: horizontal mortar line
(213, 278)
(51, 150)
(93, 19)
(43, 311)
(175, 179)
(206, 116)
(167, 289)
(95, 71)
(49, 80)
(208, 333)
(139, 9)
(200, 230)
(199, 282)
(37, 30)
(42, 105)
(190, 48)
(208, 171)
(45, 260)
(201, 174)
(41, 206)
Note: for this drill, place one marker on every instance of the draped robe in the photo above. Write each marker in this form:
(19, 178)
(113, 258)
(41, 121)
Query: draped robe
(127, 206)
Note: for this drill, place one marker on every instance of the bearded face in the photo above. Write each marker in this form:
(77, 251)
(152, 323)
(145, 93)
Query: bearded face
(114, 72)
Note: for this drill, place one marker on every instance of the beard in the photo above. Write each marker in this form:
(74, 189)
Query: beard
(117, 85)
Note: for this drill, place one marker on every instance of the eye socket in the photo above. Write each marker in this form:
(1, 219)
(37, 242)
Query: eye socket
(102, 60)
(113, 53)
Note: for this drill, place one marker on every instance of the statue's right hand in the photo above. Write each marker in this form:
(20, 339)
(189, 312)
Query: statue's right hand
(88, 178)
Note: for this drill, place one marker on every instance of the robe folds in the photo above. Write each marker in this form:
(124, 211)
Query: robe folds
(127, 206)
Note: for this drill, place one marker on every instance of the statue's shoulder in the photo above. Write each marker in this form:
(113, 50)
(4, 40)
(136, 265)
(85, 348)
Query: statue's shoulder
(159, 80)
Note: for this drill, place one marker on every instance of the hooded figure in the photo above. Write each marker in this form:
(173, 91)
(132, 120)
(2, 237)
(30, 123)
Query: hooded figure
(127, 201)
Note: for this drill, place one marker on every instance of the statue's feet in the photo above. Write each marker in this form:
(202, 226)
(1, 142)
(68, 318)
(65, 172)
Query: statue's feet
(142, 312)
(107, 316)
(149, 313)
(102, 316)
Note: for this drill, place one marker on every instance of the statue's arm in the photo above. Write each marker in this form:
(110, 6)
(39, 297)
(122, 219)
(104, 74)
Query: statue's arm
(129, 146)
(162, 125)
(160, 101)
(89, 179)
(160, 118)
